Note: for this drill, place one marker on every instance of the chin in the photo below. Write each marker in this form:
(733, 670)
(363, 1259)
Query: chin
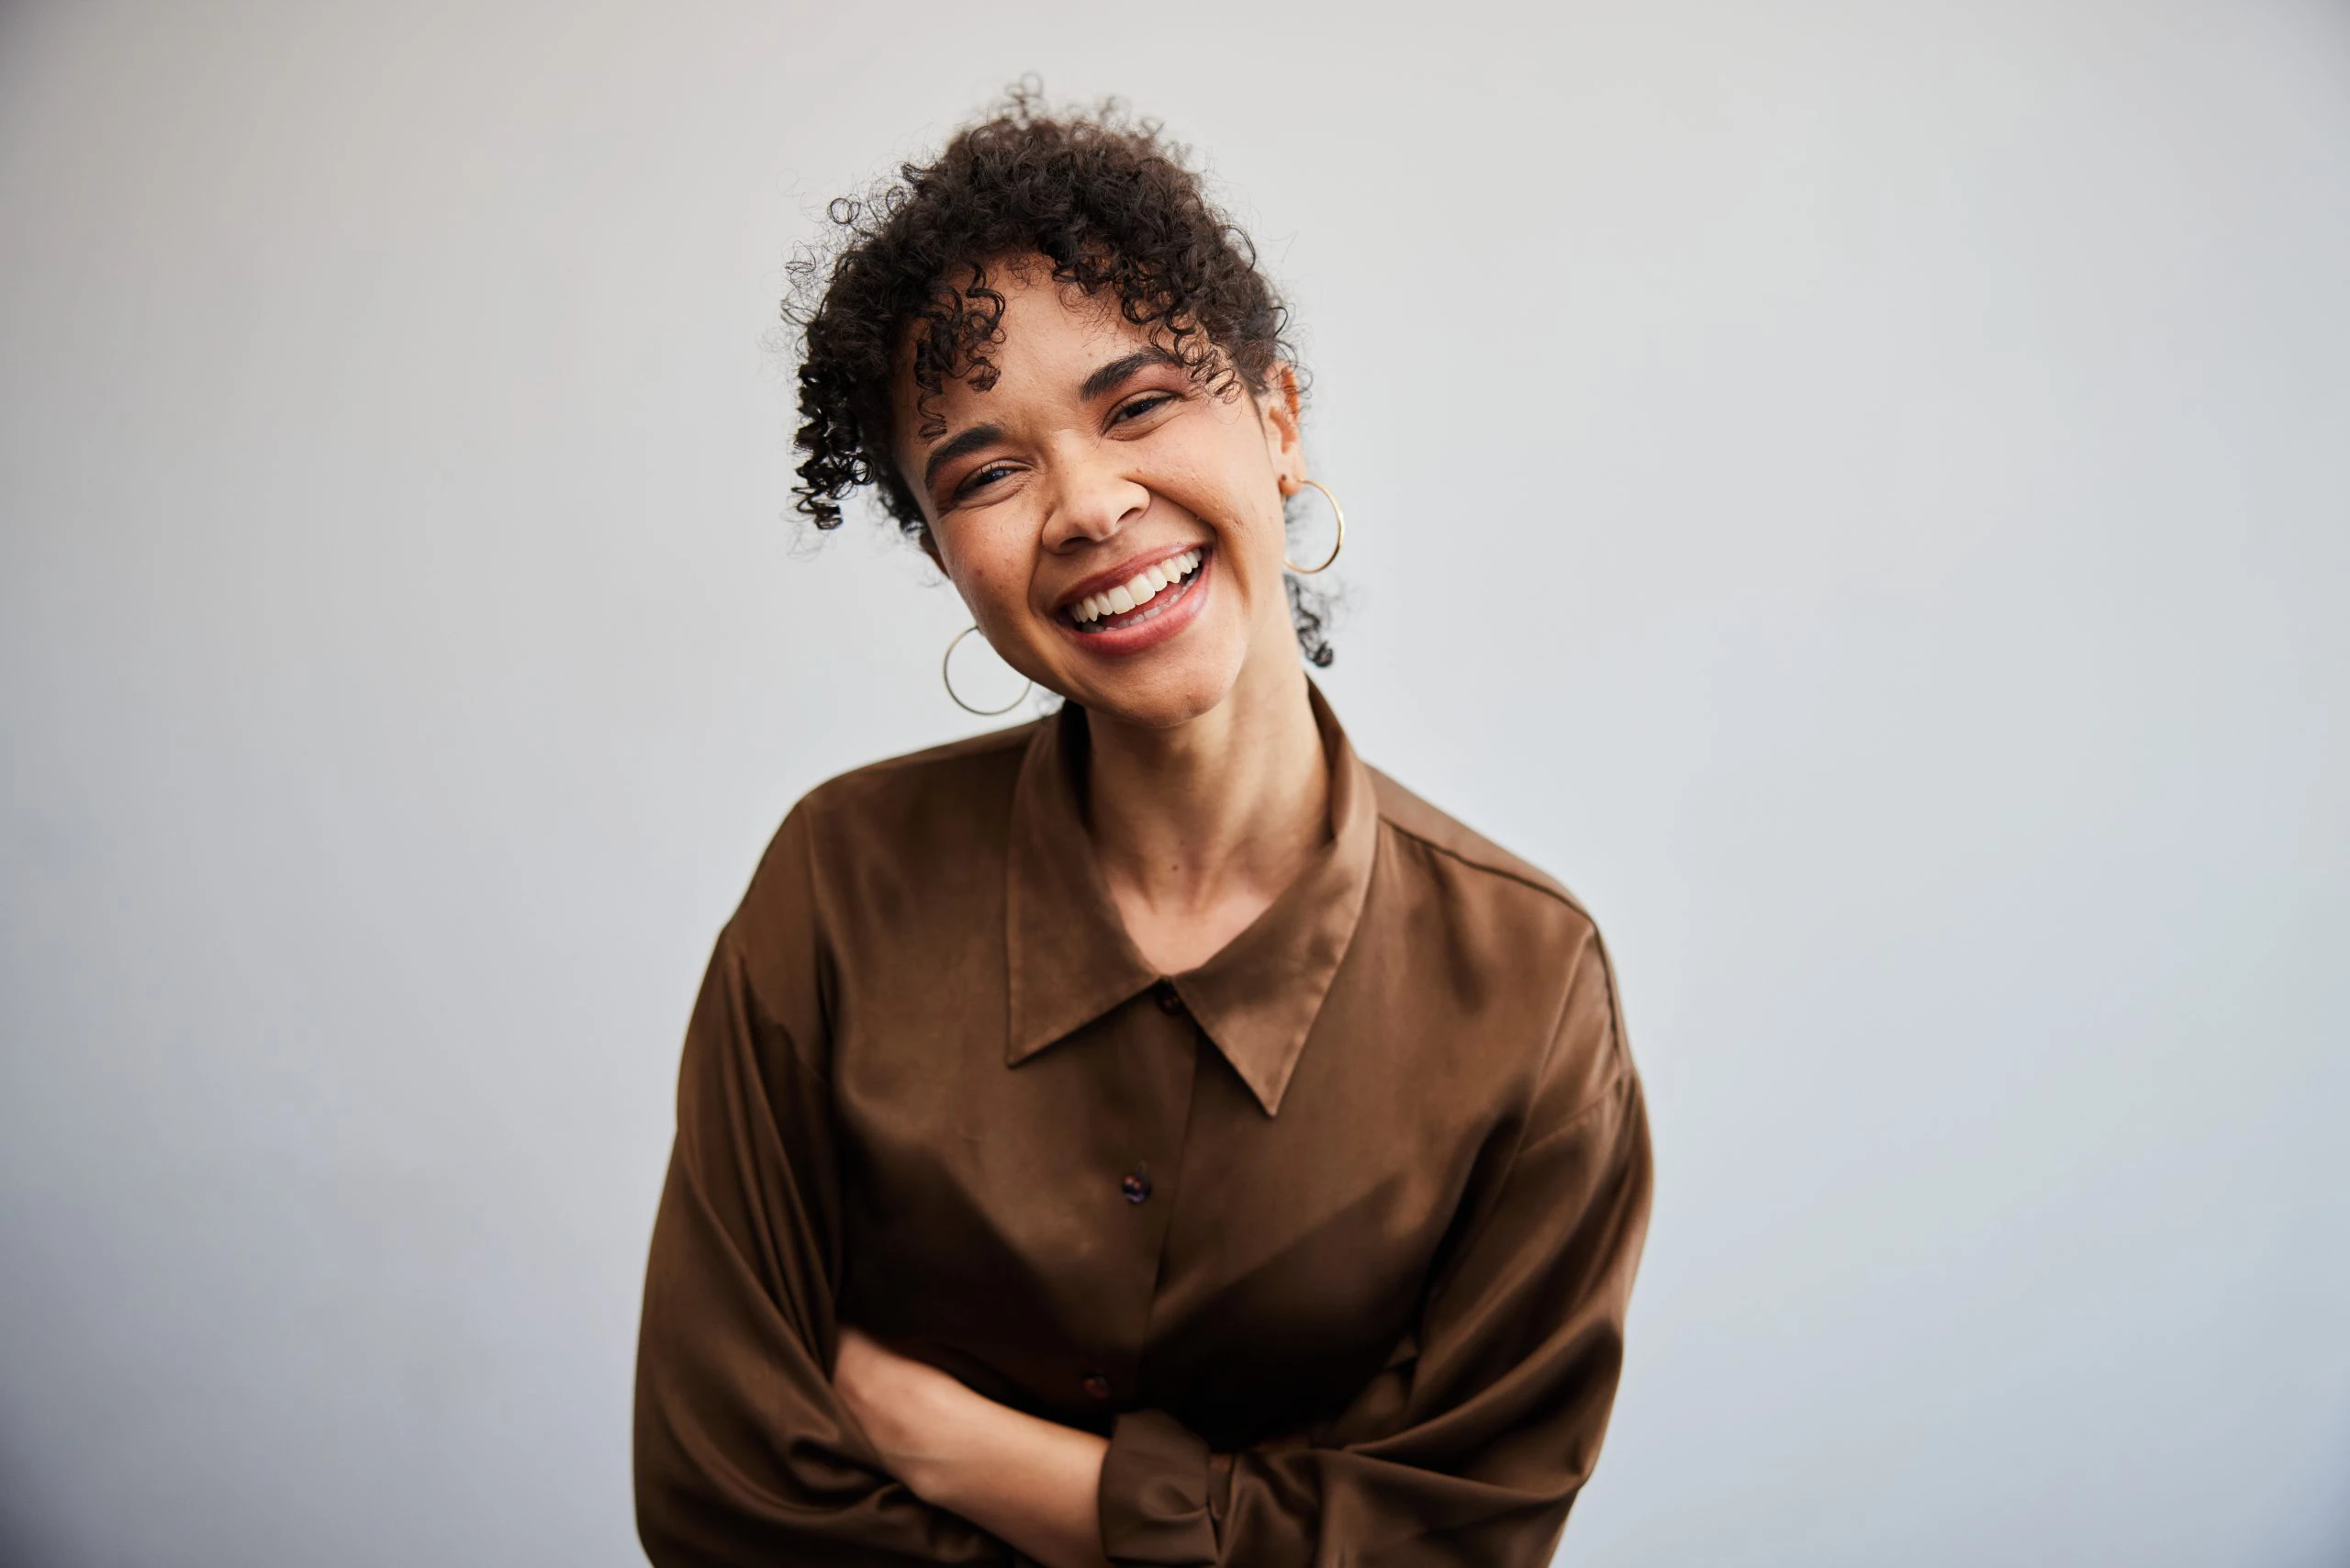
(1174, 693)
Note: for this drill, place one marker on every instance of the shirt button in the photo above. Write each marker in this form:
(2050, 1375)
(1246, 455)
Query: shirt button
(1097, 1385)
(1164, 994)
(1136, 1187)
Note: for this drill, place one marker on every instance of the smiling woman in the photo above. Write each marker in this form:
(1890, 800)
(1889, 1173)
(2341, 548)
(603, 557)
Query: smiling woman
(1149, 1134)
(906, 305)
(1055, 496)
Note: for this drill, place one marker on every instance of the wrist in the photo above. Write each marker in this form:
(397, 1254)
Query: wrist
(949, 1425)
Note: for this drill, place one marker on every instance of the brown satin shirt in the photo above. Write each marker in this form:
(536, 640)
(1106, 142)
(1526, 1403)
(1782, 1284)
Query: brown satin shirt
(1331, 1237)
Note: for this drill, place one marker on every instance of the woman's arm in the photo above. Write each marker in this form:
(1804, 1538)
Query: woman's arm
(1471, 1444)
(1028, 1481)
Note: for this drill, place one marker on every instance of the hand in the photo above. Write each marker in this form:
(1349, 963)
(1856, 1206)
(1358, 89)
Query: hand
(908, 1409)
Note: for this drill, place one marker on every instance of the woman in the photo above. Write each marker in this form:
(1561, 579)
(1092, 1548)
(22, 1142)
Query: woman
(1146, 1134)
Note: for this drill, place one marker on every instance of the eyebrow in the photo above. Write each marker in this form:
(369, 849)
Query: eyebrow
(1117, 370)
(963, 445)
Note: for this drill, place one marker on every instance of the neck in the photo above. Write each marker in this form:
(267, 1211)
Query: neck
(1199, 827)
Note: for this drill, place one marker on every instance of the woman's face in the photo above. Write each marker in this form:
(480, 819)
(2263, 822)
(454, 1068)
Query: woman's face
(1114, 526)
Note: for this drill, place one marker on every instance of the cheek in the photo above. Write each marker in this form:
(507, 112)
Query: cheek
(1227, 484)
(983, 586)
(990, 575)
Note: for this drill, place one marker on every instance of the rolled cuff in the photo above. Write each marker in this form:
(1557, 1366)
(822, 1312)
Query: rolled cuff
(1154, 1496)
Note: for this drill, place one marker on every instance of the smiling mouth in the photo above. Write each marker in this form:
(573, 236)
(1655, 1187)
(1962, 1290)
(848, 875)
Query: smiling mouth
(1141, 597)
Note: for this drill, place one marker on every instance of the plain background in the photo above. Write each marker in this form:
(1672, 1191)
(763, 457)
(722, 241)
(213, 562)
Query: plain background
(1859, 491)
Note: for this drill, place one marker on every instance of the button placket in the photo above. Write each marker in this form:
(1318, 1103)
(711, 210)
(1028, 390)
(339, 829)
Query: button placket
(1164, 1061)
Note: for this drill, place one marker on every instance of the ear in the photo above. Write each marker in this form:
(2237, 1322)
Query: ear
(1283, 443)
(929, 542)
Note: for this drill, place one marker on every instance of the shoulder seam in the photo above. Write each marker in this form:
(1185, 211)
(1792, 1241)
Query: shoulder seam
(1621, 1076)
(1551, 889)
(1620, 1045)
(1618, 1053)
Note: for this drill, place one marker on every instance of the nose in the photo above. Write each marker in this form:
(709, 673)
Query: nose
(1091, 499)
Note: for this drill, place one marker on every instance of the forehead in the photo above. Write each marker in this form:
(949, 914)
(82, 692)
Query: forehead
(1049, 335)
(1042, 315)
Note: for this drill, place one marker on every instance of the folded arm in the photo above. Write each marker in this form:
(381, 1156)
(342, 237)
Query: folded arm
(1028, 1480)
(1469, 1446)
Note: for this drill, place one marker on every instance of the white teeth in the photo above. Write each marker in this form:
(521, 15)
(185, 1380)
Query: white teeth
(1136, 590)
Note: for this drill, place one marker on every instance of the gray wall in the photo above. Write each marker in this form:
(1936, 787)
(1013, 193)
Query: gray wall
(1859, 490)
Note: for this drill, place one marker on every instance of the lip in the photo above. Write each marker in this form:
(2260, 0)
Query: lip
(1125, 571)
(1120, 640)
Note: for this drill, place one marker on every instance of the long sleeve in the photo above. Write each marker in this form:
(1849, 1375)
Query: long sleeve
(743, 1454)
(1471, 1444)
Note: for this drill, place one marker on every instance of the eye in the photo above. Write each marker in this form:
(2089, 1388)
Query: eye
(979, 478)
(1135, 407)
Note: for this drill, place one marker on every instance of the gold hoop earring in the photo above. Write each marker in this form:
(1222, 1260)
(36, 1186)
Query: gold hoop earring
(1335, 512)
(946, 674)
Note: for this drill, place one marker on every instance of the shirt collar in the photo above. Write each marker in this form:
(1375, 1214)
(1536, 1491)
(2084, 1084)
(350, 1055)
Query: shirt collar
(1070, 959)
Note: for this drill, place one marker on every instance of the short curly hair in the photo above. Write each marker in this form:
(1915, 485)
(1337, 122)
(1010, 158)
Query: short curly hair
(1107, 200)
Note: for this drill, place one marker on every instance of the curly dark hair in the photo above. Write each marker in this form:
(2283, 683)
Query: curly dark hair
(1107, 200)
